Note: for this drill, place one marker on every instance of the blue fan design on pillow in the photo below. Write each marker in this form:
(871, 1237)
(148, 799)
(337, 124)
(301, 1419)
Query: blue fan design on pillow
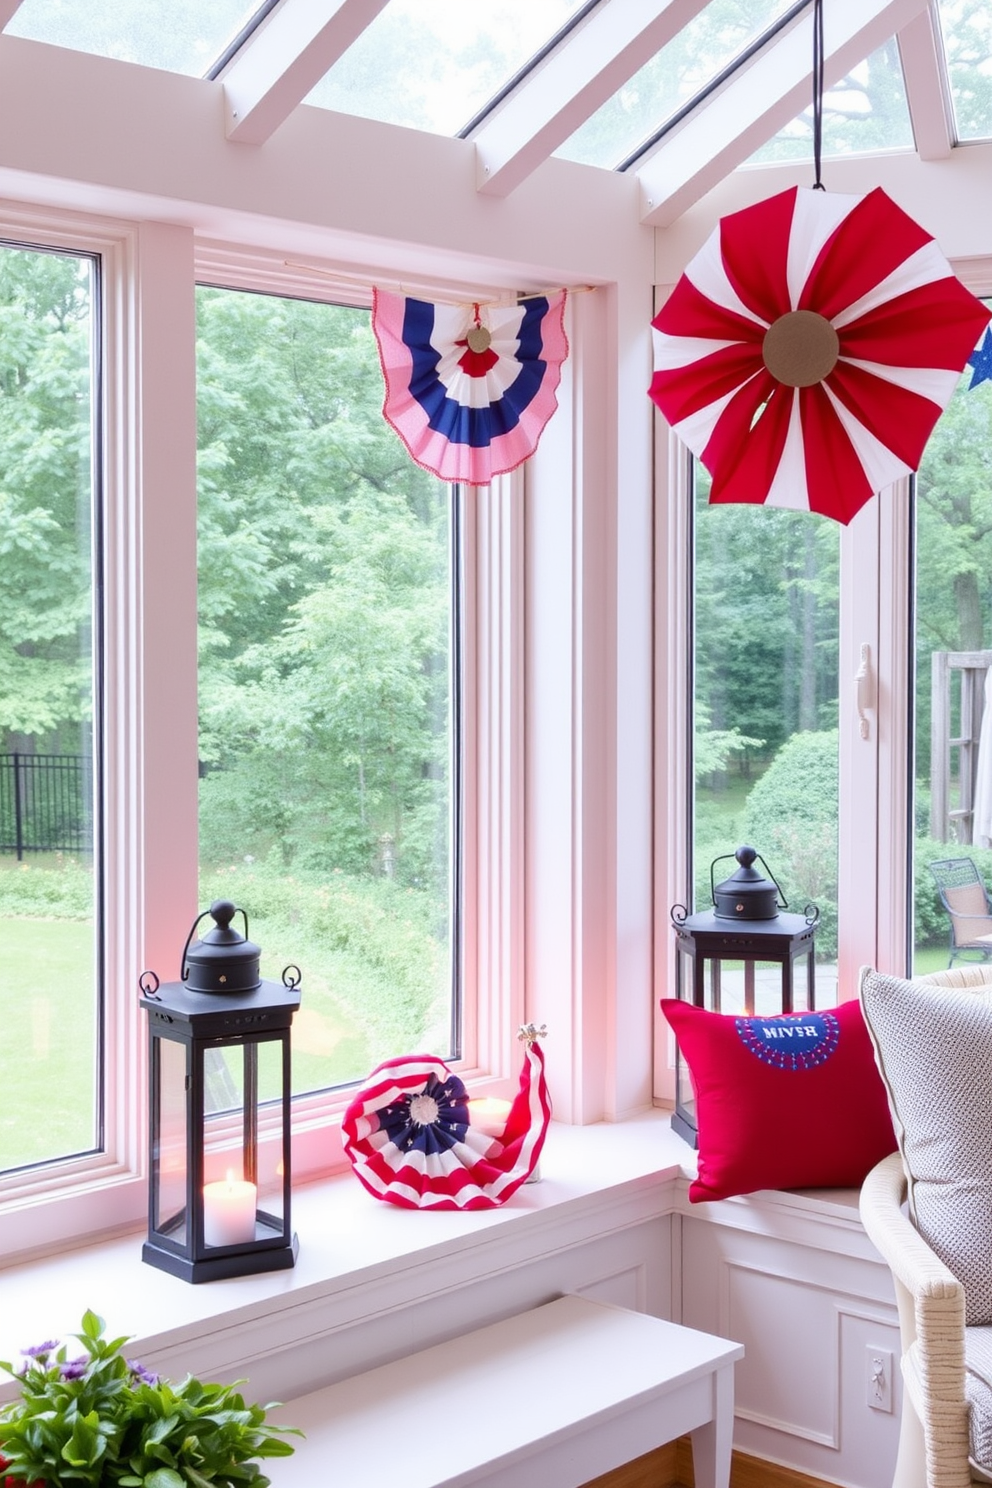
(793, 1041)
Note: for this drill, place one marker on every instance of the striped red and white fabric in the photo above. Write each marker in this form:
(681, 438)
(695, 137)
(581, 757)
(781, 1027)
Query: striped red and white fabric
(468, 390)
(408, 1137)
(810, 347)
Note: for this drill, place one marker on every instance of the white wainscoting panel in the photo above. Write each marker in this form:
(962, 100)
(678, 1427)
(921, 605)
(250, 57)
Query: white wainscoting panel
(794, 1278)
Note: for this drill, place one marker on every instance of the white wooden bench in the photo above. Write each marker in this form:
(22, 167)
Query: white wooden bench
(548, 1399)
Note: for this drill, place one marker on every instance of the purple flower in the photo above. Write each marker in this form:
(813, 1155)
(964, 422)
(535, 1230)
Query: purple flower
(74, 1368)
(141, 1374)
(40, 1350)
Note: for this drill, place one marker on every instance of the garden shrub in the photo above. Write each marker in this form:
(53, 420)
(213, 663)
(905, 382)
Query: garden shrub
(791, 818)
(377, 942)
(56, 887)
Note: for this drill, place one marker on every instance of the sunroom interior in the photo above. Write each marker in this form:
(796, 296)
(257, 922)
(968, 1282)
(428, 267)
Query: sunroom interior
(206, 172)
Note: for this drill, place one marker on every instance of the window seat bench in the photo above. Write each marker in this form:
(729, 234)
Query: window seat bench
(791, 1276)
(558, 1394)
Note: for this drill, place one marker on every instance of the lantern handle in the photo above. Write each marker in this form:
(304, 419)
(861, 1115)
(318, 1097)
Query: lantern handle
(183, 968)
(757, 858)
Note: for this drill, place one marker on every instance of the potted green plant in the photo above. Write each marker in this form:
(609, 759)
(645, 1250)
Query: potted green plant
(100, 1420)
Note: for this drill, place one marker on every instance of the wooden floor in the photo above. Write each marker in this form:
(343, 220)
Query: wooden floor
(671, 1467)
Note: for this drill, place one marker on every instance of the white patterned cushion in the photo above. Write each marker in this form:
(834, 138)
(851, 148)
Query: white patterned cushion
(978, 1392)
(934, 1050)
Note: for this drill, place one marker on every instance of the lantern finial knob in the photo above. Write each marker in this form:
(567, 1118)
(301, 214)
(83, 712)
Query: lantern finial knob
(223, 912)
(746, 855)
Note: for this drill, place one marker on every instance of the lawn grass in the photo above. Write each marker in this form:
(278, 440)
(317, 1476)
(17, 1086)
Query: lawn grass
(933, 958)
(48, 1013)
(49, 1019)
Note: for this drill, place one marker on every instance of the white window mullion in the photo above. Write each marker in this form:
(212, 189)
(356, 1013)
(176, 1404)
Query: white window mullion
(494, 888)
(858, 755)
(894, 713)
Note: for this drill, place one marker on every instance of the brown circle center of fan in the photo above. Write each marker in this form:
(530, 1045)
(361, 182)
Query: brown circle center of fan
(800, 348)
(479, 338)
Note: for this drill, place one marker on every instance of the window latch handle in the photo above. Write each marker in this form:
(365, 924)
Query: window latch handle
(864, 685)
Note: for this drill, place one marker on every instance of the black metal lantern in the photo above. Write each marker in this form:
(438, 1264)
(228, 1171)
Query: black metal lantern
(219, 1129)
(744, 932)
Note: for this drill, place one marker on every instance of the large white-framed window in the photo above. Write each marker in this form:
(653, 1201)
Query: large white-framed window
(52, 1200)
(838, 793)
(151, 746)
(50, 715)
(888, 595)
(951, 764)
(330, 643)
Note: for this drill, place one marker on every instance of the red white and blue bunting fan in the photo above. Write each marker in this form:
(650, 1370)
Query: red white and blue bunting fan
(468, 390)
(409, 1136)
(810, 347)
(812, 344)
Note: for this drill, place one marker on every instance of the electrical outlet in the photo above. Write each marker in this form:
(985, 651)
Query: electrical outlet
(878, 1378)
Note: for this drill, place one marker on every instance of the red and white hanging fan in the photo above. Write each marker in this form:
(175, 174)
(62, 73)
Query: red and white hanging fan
(810, 347)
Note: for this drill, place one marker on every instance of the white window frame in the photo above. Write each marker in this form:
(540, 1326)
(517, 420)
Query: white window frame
(875, 773)
(44, 1208)
(150, 799)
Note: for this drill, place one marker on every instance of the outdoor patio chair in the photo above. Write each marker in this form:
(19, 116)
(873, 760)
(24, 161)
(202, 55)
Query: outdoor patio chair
(963, 894)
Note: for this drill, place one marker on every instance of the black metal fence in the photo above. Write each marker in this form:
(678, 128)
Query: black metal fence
(46, 803)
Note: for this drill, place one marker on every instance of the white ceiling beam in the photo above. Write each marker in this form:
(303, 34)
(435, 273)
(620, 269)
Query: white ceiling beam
(570, 84)
(288, 54)
(921, 51)
(759, 100)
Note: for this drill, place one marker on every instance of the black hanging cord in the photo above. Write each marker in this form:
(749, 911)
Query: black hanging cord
(817, 91)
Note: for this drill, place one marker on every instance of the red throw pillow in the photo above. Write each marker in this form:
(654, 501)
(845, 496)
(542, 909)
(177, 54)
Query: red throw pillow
(789, 1101)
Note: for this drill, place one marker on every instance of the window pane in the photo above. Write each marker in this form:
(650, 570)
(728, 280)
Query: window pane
(866, 110)
(766, 628)
(433, 64)
(676, 74)
(325, 700)
(180, 36)
(49, 1085)
(967, 31)
(953, 808)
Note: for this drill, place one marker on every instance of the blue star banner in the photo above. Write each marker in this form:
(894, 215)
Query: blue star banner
(980, 362)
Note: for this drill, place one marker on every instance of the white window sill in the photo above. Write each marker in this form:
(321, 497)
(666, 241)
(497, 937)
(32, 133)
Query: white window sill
(363, 1263)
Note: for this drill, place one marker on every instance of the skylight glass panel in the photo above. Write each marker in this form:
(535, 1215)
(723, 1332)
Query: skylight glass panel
(967, 28)
(676, 74)
(176, 35)
(433, 64)
(865, 111)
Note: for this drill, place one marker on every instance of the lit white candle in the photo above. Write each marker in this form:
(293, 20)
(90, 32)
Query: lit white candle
(229, 1212)
(489, 1115)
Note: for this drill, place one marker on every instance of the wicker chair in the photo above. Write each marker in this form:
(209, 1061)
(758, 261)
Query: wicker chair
(963, 894)
(934, 1434)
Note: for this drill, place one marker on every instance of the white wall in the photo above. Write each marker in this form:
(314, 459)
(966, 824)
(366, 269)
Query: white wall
(950, 198)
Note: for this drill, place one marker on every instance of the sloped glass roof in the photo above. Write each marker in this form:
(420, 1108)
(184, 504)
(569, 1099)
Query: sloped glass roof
(967, 33)
(867, 110)
(433, 64)
(438, 65)
(675, 75)
(175, 35)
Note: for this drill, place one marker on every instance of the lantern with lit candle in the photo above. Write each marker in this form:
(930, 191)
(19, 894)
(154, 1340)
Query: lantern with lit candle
(219, 1109)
